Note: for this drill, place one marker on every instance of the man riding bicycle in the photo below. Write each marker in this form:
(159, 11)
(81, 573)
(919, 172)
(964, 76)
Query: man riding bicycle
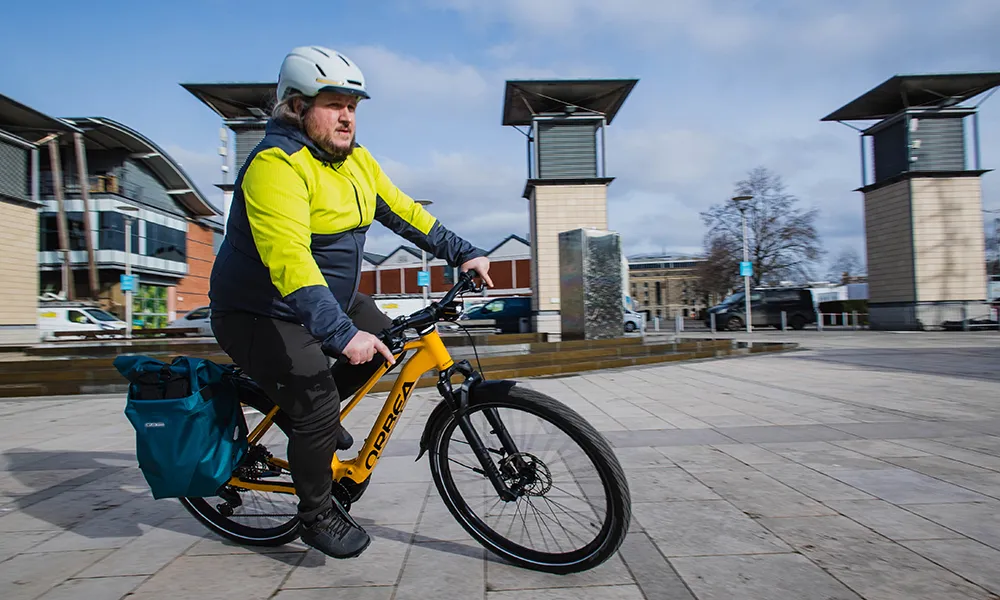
(284, 287)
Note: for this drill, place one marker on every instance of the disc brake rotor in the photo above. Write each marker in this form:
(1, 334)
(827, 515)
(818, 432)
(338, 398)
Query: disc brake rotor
(526, 474)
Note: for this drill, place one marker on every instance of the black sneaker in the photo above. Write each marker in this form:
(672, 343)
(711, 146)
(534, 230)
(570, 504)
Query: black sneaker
(336, 534)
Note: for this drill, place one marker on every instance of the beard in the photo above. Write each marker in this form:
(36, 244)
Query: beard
(326, 140)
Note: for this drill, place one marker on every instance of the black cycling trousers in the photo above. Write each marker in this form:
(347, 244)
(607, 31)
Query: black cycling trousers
(289, 363)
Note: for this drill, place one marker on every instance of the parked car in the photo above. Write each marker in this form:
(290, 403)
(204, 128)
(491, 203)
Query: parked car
(766, 306)
(508, 313)
(634, 321)
(200, 317)
(68, 316)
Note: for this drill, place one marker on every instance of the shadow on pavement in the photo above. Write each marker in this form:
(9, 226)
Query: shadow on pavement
(406, 537)
(108, 499)
(111, 484)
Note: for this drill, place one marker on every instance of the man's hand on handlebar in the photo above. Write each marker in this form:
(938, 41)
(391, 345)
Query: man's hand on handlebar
(480, 265)
(363, 346)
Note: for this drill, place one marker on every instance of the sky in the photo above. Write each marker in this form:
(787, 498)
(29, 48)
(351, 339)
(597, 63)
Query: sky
(724, 86)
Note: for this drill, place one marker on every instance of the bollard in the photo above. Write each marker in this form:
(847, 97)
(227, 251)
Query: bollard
(819, 321)
(656, 323)
(711, 320)
(678, 323)
(784, 321)
(965, 317)
(854, 319)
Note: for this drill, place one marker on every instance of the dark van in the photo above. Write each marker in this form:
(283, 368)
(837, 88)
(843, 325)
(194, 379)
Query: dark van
(506, 312)
(766, 306)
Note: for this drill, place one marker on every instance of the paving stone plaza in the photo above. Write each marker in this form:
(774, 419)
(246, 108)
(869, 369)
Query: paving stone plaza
(864, 465)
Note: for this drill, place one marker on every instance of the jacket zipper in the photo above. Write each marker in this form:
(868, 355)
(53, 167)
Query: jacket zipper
(361, 216)
(359, 251)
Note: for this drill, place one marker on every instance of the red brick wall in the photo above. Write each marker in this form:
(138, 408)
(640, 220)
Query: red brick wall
(192, 290)
(390, 281)
(367, 285)
(524, 273)
(501, 274)
(438, 284)
(411, 281)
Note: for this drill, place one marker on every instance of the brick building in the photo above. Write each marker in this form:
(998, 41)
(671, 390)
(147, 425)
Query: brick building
(665, 286)
(21, 129)
(395, 274)
(203, 239)
(128, 177)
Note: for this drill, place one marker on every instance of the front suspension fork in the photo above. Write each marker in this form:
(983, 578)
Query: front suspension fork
(458, 400)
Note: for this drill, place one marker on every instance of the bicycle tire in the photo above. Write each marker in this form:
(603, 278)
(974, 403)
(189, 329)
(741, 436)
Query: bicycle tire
(598, 450)
(203, 510)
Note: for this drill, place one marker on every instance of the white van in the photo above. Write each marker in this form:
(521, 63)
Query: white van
(69, 317)
(634, 321)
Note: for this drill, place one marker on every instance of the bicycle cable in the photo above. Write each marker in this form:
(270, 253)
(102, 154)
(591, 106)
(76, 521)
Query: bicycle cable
(473, 343)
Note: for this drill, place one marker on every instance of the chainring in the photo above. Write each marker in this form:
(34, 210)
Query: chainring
(341, 495)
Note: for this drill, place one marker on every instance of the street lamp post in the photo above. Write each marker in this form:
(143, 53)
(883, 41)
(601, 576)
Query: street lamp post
(423, 260)
(741, 205)
(128, 211)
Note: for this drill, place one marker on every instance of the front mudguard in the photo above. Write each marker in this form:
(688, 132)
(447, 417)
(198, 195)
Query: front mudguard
(479, 392)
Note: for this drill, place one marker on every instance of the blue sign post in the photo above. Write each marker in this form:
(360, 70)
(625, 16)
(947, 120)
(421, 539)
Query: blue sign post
(130, 283)
(423, 278)
(746, 268)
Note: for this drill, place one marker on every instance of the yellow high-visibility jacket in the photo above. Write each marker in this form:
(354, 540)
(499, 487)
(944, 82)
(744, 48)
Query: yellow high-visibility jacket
(296, 233)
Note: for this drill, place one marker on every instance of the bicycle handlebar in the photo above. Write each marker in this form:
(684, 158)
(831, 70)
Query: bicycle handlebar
(430, 314)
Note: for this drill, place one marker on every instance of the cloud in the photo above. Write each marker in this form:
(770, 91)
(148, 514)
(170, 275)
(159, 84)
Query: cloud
(829, 33)
(395, 76)
(474, 197)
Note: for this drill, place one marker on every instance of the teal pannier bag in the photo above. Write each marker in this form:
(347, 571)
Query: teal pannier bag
(190, 432)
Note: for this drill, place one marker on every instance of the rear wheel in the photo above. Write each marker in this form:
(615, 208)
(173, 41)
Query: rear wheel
(798, 322)
(254, 517)
(571, 507)
(734, 324)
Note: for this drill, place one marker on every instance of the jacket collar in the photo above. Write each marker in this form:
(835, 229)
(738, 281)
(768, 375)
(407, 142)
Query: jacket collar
(284, 129)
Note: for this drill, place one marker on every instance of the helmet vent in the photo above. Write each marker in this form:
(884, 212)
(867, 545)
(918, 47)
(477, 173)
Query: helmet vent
(320, 50)
(320, 69)
(354, 82)
(346, 62)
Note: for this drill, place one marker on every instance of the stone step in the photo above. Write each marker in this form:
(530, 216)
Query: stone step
(98, 375)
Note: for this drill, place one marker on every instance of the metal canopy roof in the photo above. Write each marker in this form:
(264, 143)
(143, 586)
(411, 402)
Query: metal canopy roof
(523, 99)
(236, 100)
(915, 91)
(110, 135)
(28, 123)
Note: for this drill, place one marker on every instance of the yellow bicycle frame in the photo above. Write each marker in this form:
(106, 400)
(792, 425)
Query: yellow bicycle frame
(430, 353)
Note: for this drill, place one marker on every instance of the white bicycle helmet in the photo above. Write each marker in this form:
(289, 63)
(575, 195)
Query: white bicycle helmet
(310, 70)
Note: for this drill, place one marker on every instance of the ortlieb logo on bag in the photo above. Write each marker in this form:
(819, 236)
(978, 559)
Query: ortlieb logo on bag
(190, 428)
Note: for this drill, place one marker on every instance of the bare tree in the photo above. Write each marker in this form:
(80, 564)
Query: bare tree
(719, 272)
(782, 238)
(847, 264)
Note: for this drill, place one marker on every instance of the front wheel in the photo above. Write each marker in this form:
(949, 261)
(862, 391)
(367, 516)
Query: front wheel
(571, 505)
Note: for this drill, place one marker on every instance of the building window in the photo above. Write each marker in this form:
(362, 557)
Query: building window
(165, 242)
(111, 232)
(48, 238)
(149, 306)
